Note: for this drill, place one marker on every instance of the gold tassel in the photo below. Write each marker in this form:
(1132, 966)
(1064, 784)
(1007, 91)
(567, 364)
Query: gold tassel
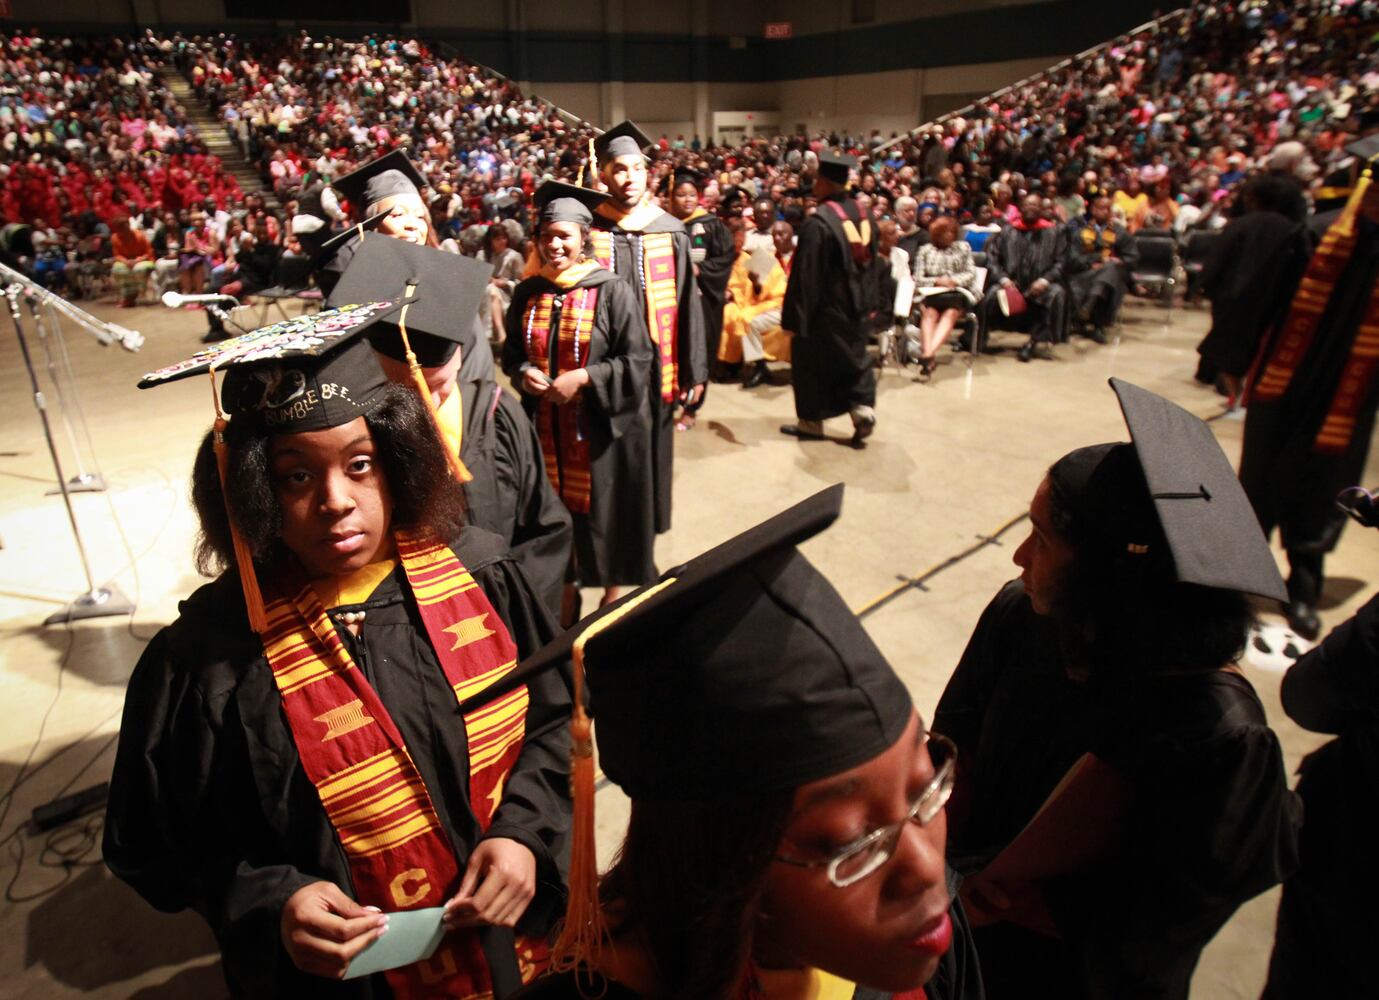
(593, 166)
(244, 559)
(585, 930)
(457, 467)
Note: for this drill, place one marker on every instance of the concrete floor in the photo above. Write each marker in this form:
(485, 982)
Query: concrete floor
(951, 462)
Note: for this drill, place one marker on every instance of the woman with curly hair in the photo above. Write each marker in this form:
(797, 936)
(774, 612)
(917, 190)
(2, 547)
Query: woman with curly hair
(293, 763)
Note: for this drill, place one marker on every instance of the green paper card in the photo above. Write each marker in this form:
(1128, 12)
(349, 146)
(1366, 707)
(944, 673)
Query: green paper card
(412, 935)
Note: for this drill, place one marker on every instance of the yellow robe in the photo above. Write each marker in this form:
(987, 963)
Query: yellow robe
(746, 305)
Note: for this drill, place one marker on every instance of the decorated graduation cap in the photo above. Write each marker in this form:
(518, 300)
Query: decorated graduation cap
(1170, 499)
(557, 201)
(741, 672)
(835, 166)
(391, 174)
(304, 374)
(623, 139)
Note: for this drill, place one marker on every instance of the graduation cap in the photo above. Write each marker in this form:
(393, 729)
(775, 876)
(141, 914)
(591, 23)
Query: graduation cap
(391, 174)
(681, 174)
(345, 237)
(741, 672)
(557, 201)
(623, 139)
(449, 290)
(305, 374)
(1171, 499)
(835, 166)
(1365, 149)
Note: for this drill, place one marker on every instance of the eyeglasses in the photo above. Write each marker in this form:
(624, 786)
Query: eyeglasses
(868, 853)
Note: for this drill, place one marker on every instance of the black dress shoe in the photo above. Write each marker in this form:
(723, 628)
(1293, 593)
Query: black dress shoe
(1098, 334)
(793, 430)
(1027, 351)
(756, 376)
(1302, 619)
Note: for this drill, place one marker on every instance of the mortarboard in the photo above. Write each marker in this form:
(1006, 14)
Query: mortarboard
(557, 201)
(681, 174)
(345, 237)
(391, 174)
(304, 374)
(449, 290)
(740, 672)
(1170, 498)
(835, 166)
(623, 139)
(1364, 149)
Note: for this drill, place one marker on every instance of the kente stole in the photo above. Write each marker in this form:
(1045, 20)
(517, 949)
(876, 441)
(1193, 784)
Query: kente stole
(1300, 329)
(653, 256)
(399, 856)
(859, 242)
(568, 465)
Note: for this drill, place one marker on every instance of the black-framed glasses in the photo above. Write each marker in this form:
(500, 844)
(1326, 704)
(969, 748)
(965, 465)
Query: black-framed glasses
(870, 852)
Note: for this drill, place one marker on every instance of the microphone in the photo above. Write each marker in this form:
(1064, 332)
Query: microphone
(175, 300)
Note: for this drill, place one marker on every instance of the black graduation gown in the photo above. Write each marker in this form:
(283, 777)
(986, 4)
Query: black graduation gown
(615, 542)
(210, 808)
(510, 494)
(1211, 821)
(709, 234)
(1325, 918)
(693, 361)
(827, 301)
(1290, 484)
(1107, 284)
(1250, 277)
(1025, 256)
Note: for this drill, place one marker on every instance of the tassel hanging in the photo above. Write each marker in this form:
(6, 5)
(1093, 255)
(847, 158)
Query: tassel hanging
(585, 931)
(457, 467)
(244, 559)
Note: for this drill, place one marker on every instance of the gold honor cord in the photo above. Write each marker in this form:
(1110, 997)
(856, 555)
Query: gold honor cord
(585, 930)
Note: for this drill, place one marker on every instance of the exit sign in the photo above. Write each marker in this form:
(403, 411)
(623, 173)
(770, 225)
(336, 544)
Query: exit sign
(779, 29)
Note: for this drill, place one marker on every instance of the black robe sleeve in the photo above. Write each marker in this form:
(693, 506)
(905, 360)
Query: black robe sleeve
(1127, 249)
(514, 358)
(1059, 254)
(717, 265)
(542, 531)
(618, 382)
(807, 281)
(1334, 687)
(997, 268)
(689, 324)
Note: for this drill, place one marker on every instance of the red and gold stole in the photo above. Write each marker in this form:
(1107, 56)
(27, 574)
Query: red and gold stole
(1323, 273)
(399, 856)
(567, 466)
(654, 257)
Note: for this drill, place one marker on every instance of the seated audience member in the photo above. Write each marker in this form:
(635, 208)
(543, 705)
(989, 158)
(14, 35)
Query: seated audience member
(1161, 209)
(200, 250)
(1322, 942)
(1131, 200)
(1121, 792)
(1100, 261)
(131, 261)
(1028, 258)
(752, 333)
(907, 218)
(945, 281)
(763, 218)
(983, 226)
(787, 826)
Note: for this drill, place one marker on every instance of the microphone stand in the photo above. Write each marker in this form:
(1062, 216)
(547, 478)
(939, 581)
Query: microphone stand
(83, 481)
(97, 602)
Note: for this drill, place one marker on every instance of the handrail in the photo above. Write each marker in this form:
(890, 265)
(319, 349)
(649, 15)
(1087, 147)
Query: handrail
(967, 109)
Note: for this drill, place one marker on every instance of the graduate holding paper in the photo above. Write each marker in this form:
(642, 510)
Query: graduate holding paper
(293, 763)
(578, 351)
(1120, 791)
